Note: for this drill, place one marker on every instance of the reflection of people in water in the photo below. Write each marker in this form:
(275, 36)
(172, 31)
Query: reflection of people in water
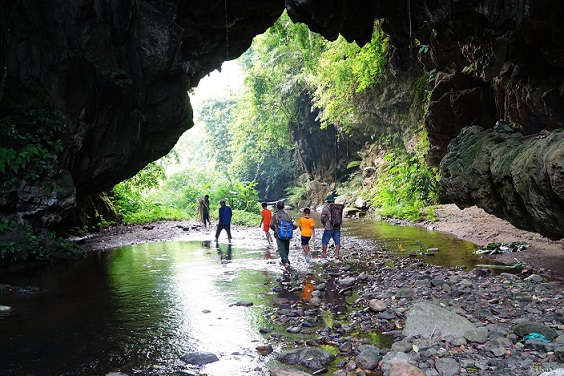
(267, 254)
(224, 256)
(206, 243)
(308, 288)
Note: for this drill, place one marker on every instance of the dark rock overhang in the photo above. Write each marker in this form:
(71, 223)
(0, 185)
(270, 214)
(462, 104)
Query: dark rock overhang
(120, 71)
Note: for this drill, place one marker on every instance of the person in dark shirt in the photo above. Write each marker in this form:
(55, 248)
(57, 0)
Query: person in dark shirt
(225, 215)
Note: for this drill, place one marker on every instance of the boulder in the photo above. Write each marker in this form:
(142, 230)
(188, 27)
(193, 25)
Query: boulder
(428, 320)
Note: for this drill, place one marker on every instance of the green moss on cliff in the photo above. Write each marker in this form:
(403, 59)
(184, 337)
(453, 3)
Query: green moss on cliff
(20, 243)
(33, 143)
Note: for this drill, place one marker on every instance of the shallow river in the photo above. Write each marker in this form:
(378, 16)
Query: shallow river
(138, 309)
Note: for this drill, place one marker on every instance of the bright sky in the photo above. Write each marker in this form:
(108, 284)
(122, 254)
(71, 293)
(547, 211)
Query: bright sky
(214, 85)
(218, 84)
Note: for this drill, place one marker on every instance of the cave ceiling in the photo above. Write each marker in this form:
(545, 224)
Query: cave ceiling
(120, 71)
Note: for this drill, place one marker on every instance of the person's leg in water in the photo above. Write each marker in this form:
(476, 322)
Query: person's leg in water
(268, 237)
(228, 230)
(327, 235)
(337, 240)
(284, 250)
(305, 247)
(218, 231)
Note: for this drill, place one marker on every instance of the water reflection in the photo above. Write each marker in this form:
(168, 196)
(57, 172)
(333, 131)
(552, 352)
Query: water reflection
(225, 254)
(139, 309)
(404, 240)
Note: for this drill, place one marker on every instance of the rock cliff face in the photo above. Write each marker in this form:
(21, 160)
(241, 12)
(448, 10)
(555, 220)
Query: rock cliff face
(512, 176)
(120, 71)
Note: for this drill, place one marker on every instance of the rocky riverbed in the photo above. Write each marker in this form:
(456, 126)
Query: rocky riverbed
(437, 321)
(442, 321)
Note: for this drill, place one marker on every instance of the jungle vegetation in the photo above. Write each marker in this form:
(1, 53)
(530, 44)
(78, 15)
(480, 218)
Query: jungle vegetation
(245, 153)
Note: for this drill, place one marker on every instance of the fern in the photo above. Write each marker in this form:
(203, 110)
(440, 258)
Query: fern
(353, 164)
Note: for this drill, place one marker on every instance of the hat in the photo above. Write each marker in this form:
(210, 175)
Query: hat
(280, 204)
(330, 198)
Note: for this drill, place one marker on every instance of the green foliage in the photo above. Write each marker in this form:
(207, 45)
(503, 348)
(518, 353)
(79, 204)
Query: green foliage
(105, 62)
(245, 218)
(297, 194)
(249, 137)
(343, 70)
(19, 244)
(34, 139)
(129, 200)
(421, 95)
(275, 67)
(405, 185)
(353, 164)
(244, 197)
(151, 195)
(217, 117)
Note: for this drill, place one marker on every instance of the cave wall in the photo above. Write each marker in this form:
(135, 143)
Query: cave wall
(492, 60)
(120, 72)
(520, 178)
(499, 69)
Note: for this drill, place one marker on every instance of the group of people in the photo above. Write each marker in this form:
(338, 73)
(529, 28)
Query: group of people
(306, 224)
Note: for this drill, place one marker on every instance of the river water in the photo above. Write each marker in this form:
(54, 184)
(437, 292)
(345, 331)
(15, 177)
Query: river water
(139, 309)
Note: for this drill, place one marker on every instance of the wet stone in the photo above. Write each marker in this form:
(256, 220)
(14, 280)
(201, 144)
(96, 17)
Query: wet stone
(488, 305)
(312, 358)
(368, 357)
(498, 351)
(346, 347)
(402, 346)
(284, 371)
(377, 305)
(405, 293)
(386, 316)
(479, 335)
(559, 353)
(405, 369)
(199, 358)
(447, 366)
(529, 327)
(293, 329)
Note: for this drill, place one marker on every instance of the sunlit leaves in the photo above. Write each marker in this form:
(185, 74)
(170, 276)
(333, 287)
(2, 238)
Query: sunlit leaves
(344, 70)
(217, 116)
(405, 186)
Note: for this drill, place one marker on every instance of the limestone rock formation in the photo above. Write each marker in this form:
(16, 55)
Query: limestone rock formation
(515, 177)
(119, 73)
(492, 60)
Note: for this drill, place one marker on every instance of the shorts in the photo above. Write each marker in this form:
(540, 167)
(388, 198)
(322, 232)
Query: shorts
(305, 240)
(334, 234)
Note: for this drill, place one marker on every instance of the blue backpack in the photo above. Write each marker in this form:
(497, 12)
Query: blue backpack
(285, 230)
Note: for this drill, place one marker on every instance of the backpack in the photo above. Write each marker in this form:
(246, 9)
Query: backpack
(285, 230)
(336, 211)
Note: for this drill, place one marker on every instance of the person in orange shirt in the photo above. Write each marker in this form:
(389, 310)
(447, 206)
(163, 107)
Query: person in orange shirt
(266, 216)
(307, 229)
